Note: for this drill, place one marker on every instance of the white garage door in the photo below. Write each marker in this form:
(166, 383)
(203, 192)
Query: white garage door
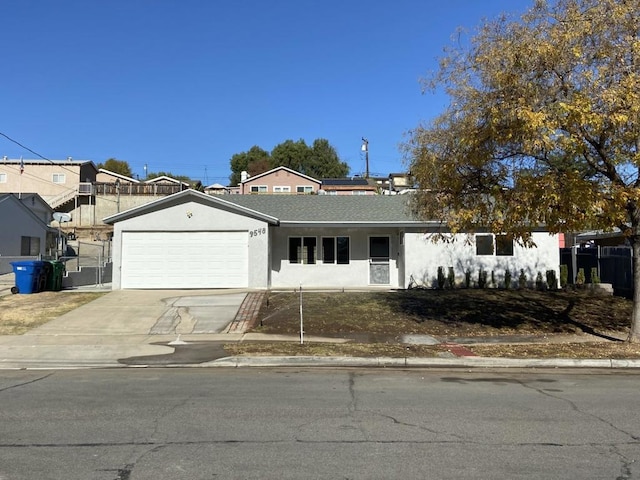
(184, 260)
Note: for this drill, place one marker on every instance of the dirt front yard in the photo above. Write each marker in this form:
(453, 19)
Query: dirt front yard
(490, 322)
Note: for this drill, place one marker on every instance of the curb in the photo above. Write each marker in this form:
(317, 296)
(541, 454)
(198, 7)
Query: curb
(467, 362)
(342, 362)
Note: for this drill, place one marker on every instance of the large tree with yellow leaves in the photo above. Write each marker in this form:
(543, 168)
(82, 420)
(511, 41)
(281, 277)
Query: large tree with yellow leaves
(542, 128)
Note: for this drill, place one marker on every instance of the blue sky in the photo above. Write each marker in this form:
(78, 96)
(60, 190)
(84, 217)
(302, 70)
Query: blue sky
(182, 85)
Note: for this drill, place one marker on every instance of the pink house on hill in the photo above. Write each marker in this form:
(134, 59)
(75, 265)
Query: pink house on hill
(280, 180)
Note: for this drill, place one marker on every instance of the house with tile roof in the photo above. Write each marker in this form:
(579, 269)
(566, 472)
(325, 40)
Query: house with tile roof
(194, 240)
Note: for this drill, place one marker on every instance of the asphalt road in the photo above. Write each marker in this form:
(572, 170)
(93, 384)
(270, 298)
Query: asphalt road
(132, 424)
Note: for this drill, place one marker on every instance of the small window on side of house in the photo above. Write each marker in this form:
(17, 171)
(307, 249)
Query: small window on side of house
(504, 245)
(3, 178)
(58, 178)
(284, 189)
(304, 189)
(258, 189)
(29, 246)
(484, 244)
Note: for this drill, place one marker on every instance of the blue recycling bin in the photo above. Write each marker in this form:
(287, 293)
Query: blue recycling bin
(29, 276)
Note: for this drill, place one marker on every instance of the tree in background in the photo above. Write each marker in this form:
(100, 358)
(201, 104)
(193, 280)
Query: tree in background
(543, 127)
(319, 161)
(255, 161)
(323, 161)
(120, 167)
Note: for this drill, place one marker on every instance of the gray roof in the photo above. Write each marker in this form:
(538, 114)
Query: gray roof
(329, 208)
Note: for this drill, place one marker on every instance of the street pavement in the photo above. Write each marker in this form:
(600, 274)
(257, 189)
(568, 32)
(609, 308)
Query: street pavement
(189, 327)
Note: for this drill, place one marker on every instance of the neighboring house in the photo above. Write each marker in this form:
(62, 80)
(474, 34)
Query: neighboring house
(24, 232)
(164, 185)
(193, 240)
(59, 182)
(280, 180)
(394, 184)
(108, 177)
(216, 189)
(349, 186)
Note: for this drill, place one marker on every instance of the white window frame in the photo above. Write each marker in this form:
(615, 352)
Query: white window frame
(3, 177)
(332, 192)
(59, 178)
(358, 192)
(282, 189)
(304, 188)
(258, 189)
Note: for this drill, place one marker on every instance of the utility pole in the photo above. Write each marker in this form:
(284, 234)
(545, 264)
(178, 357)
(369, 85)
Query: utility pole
(365, 149)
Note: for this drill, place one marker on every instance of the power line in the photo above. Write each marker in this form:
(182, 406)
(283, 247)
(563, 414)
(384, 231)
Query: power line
(26, 148)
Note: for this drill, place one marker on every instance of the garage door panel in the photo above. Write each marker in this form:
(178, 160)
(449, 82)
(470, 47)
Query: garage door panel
(185, 260)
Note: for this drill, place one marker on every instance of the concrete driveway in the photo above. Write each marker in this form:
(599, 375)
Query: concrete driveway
(149, 312)
(124, 324)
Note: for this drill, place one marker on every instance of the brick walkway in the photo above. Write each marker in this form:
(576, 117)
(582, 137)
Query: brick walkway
(458, 350)
(247, 314)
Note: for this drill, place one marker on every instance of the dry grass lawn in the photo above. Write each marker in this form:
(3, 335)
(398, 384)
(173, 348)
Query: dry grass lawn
(21, 313)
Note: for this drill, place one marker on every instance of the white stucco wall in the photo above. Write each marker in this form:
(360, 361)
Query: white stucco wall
(319, 275)
(423, 257)
(193, 216)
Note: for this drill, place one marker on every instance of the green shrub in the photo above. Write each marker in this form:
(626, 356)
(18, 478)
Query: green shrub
(552, 281)
(595, 278)
(564, 275)
(441, 278)
(482, 278)
(522, 279)
(580, 278)
(507, 279)
(467, 278)
(451, 278)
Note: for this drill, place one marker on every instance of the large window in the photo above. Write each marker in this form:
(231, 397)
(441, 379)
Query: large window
(258, 189)
(504, 245)
(484, 244)
(58, 178)
(302, 250)
(335, 250)
(29, 246)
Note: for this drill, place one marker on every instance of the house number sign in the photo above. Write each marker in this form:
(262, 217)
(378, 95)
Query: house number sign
(257, 232)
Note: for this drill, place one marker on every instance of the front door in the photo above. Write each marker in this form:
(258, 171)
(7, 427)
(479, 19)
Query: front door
(379, 261)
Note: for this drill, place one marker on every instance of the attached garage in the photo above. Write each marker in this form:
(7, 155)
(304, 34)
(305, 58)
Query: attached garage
(185, 260)
(190, 240)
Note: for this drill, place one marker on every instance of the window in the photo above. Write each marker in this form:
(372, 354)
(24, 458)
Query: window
(332, 192)
(258, 189)
(304, 189)
(484, 244)
(3, 178)
(281, 189)
(29, 246)
(335, 250)
(58, 178)
(504, 245)
(302, 250)
(359, 192)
